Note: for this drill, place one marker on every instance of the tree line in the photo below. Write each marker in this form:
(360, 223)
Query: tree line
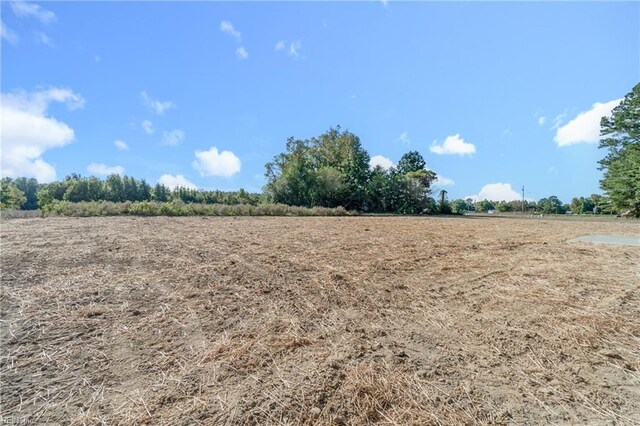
(329, 171)
(28, 194)
(593, 204)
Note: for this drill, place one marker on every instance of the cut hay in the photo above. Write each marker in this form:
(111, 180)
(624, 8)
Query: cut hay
(349, 320)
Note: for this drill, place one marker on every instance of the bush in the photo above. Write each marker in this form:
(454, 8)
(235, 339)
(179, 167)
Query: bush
(179, 208)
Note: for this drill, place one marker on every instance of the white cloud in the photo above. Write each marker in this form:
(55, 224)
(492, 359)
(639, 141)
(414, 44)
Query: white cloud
(27, 131)
(42, 38)
(178, 181)
(214, 163)
(158, 106)
(507, 133)
(443, 181)
(227, 27)
(147, 126)
(121, 145)
(23, 9)
(38, 102)
(382, 161)
(453, 145)
(104, 170)
(173, 137)
(7, 34)
(293, 49)
(242, 53)
(496, 192)
(542, 120)
(97, 58)
(404, 137)
(384, 2)
(585, 128)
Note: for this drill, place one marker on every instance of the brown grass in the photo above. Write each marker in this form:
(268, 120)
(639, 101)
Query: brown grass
(351, 320)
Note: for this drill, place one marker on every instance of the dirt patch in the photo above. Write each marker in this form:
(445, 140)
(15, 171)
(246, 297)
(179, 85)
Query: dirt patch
(350, 320)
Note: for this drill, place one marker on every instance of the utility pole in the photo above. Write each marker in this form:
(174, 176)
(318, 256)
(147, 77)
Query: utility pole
(522, 198)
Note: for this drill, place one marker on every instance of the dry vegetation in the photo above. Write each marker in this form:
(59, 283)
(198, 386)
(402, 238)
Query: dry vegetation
(350, 320)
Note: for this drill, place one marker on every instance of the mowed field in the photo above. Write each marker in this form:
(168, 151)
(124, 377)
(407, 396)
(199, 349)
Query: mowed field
(350, 320)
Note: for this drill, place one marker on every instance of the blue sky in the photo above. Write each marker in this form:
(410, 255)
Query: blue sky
(494, 95)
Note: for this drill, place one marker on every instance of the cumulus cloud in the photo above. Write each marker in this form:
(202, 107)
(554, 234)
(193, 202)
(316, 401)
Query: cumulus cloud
(7, 34)
(23, 9)
(242, 53)
(158, 106)
(100, 169)
(37, 102)
(178, 181)
(280, 45)
(585, 128)
(173, 137)
(382, 161)
(147, 126)
(121, 145)
(214, 163)
(227, 28)
(27, 131)
(542, 120)
(496, 192)
(452, 145)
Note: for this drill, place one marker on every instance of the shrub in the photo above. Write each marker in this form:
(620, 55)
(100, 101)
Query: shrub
(179, 208)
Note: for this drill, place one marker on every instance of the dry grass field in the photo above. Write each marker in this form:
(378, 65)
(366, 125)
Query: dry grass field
(350, 320)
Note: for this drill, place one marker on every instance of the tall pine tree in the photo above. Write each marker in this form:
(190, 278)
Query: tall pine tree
(620, 135)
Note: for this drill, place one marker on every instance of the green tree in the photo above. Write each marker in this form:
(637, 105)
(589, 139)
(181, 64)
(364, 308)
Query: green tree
(95, 189)
(330, 170)
(443, 205)
(582, 205)
(10, 196)
(551, 205)
(50, 192)
(130, 188)
(161, 193)
(459, 206)
(620, 136)
(144, 189)
(504, 206)
(77, 190)
(114, 188)
(30, 189)
(381, 191)
(331, 187)
(341, 152)
(415, 182)
(484, 206)
(291, 175)
(410, 162)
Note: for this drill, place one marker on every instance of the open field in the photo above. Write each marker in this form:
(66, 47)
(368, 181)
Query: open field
(349, 320)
